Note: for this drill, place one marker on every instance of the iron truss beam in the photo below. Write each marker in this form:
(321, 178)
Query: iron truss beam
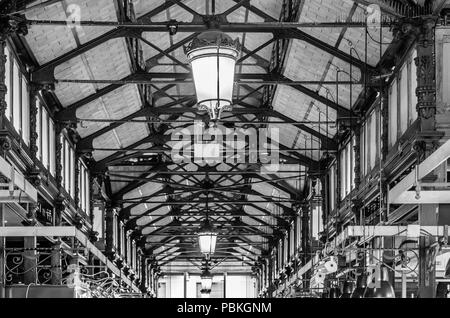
(45, 73)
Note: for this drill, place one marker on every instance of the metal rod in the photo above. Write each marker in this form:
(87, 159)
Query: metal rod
(192, 151)
(250, 27)
(211, 202)
(180, 81)
(211, 173)
(274, 122)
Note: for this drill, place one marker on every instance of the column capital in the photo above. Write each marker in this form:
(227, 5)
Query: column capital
(12, 24)
(420, 27)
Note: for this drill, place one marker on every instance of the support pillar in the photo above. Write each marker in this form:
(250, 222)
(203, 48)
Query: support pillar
(109, 237)
(306, 242)
(143, 278)
(185, 280)
(270, 285)
(225, 275)
(30, 260)
(56, 269)
(425, 143)
(2, 255)
(5, 142)
(427, 281)
(8, 26)
(3, 105)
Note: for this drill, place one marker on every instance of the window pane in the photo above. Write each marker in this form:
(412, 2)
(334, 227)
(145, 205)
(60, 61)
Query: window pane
(45, 138)
(25, 112)
(362, 150)
(8, 83)
(52, 147)
(80, 185)
(72, 172)
(367, 147)
(16, 97)
(286, 252)
(39, 129)
(86, 189)
(63, 159)
(342, 173)
(292, 240)
(413, 98)
(404, 100)
(348, 162)
(373, 139)
(333, 186)
(66, 166)
(353, 162)
(393, 114)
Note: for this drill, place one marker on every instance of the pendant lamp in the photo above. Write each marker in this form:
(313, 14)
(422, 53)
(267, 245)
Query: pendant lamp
(361, 284)
(382, 289)
(347, 289)
(212, 56)
(207, 236)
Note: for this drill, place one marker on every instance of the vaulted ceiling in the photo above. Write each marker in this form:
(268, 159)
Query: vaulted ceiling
(129, 88)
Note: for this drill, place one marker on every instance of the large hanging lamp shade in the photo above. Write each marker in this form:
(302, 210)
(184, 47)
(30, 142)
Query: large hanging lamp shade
(207, 237)
(361, 284)
(212, 56)
(347, 289)
(382, 289)
(206, 279)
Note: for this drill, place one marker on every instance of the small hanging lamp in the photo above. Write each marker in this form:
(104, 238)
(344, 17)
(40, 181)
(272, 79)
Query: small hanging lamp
(206, 279)
(207, 236)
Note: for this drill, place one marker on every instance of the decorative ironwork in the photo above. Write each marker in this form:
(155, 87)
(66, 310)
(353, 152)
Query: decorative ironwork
(31, 213)
(15, 268)
(422, 28)
(220, 40)
(58, 157)
(12, 24)
(60, 206)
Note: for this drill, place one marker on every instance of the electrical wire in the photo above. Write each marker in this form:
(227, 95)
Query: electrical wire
(28, 289)
(376, 41)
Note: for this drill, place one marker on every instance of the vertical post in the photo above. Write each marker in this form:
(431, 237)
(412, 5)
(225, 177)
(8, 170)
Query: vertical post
(3, 105)
(384, 126)
(225, 275)
(306, 246)
(58, 156)
(270, 277)
(30, 260)
(2, 255)
(427, 216)
(3, 88)
(143, 278)
(109, 244)
(426, 74)
(56, 264)
(34, 92)
(59, 202)
(5, 142)
(185, 285)
(426, 108)
(404, 285)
